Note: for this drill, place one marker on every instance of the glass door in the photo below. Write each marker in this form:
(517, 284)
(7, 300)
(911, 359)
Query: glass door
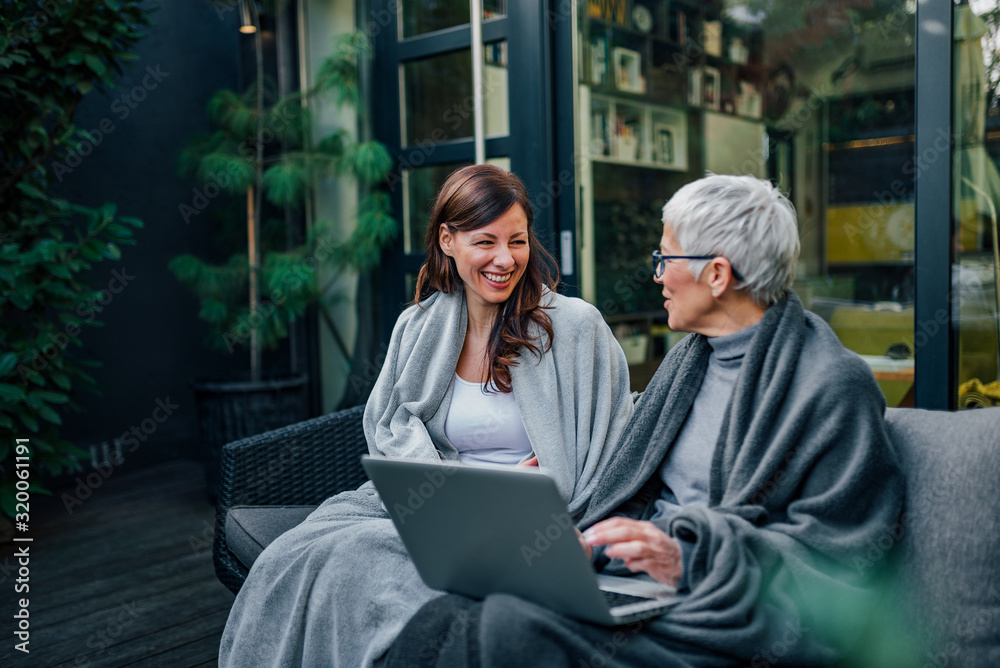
(425, 113)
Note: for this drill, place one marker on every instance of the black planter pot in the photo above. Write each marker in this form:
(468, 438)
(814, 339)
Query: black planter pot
(229, 409)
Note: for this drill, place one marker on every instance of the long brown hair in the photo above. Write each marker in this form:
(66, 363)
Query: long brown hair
(471, 198)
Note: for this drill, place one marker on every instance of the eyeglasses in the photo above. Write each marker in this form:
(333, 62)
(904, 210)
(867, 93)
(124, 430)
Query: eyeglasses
(660, 262)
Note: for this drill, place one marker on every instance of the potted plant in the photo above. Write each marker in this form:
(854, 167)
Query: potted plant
(261, 152)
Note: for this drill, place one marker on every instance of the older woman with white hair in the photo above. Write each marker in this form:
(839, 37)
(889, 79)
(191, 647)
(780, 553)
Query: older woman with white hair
(754, 476)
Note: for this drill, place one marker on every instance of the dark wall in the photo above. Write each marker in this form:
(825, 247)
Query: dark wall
(152, 344)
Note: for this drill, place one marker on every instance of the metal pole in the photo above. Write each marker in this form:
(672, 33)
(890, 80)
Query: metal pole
(255, 202)
(935, 355)
(478, 116)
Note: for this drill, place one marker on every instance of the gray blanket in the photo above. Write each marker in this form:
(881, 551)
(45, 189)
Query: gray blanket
(574, 400)
(336, 590)
(803, 483)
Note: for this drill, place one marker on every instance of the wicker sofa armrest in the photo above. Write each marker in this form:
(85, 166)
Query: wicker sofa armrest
(302, 464)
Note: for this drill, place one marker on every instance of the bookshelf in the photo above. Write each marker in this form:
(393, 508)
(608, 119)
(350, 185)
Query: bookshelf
(683, 54)
(630, 132)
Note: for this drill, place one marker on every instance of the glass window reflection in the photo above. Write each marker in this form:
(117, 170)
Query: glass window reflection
(496, 108)
(437, 100)
(417, 17)
(818, 97)
(975, 199)
(420, 188)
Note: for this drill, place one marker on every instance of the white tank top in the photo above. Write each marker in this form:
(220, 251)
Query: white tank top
(485, 427)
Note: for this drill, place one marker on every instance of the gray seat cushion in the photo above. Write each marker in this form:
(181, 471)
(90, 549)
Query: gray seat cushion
(947, 562)
(249, 529)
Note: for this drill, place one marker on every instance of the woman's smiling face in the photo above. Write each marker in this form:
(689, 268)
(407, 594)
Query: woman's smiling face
(491, 259)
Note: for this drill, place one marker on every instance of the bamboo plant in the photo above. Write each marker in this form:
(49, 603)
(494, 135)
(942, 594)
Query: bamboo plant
(261, 151)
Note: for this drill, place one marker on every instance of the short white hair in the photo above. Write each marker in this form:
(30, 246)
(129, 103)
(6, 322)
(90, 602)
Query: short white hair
(744, 219)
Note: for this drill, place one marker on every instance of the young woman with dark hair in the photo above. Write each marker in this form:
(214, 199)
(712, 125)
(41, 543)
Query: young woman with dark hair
(489, 364)
(471, 200)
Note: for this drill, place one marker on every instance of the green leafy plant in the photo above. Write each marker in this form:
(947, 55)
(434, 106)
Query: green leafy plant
(261, 149)
(51, 55)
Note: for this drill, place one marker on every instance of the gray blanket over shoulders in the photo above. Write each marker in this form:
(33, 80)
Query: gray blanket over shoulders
(336, 590)
(803, 482)
(574, 400)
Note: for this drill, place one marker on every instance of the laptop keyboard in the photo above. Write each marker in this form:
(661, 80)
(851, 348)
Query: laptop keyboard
(616, 598)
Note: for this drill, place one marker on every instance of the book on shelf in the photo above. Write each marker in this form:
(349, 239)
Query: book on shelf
(712, 31)
(694, 87)
(625, 145)
(609, 11)
(599, 133)
(599, 60)
(680, 26)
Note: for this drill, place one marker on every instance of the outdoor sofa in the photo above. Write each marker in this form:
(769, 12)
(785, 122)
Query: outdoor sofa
(943, 556)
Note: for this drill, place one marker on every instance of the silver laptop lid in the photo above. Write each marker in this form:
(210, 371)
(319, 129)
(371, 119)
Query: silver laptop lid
(480, 529)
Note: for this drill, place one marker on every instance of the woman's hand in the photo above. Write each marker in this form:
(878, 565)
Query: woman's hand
(641, 545)
(529, 462)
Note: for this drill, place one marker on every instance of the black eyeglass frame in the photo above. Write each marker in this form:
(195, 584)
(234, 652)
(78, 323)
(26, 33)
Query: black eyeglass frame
(660, 262)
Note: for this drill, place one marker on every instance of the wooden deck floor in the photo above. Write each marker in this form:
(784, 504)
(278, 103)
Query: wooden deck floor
(125, 579)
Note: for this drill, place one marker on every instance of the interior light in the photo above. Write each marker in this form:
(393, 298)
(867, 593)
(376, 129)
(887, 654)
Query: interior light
(247, 27)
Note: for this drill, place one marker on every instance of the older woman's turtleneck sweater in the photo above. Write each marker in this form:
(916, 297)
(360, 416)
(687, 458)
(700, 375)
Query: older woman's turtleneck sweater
(685, 470)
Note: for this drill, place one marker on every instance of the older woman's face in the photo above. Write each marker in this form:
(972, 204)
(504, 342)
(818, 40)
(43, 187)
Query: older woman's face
(688, 300)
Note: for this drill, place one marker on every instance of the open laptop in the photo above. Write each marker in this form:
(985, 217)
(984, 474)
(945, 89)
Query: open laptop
(481, 529)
